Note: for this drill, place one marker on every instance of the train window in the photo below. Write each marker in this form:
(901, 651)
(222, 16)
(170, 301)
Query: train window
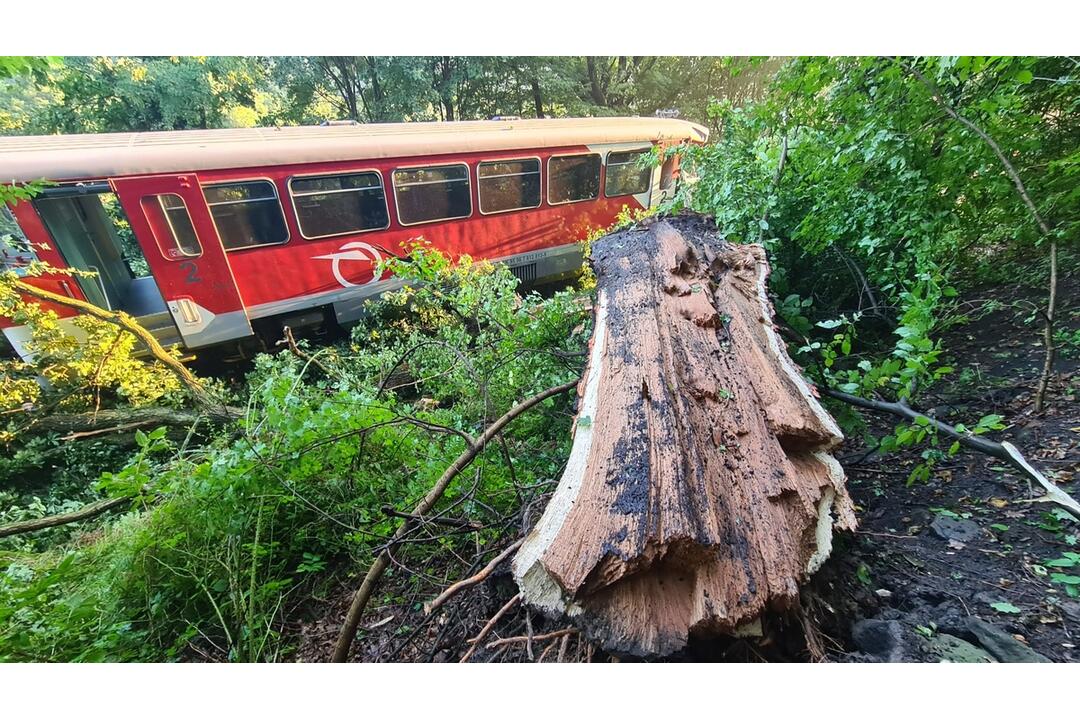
(339, 204)
(509, 185)
(435, 193)
(247, 214)
(626, 175)
(573, 178)
(183, 242)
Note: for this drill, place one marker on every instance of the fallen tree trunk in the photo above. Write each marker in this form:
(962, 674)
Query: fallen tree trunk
(699, 491)
(84, 513)
(102, 422)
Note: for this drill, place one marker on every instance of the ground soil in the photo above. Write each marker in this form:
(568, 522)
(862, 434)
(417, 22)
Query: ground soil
(931, 586)
(893, 568)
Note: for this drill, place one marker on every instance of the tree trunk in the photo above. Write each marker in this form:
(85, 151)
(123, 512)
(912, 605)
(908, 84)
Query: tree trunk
(105, 421)
(699, 491)
(1048, 334)
(376, 112)
(84, 513)
(595, 90)
(538, 98)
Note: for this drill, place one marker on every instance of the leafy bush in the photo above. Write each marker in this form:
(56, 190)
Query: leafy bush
(878, 209)
(224, 536)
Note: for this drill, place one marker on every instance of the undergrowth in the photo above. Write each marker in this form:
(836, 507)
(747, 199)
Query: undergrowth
(224, 539)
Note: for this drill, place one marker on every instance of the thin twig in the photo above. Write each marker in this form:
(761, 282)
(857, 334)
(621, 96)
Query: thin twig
(538, 638)
(367, 587)
(475, 642)
(474, 580)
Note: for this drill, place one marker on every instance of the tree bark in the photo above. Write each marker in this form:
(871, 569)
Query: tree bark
(84, 513)
(538, 98)
(103, 421)
(595, 90)
(1048, 334)
(699, 492)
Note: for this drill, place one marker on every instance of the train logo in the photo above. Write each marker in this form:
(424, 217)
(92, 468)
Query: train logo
(353, 251)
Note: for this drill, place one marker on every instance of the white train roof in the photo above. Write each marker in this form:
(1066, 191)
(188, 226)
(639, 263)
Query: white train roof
(72, 157)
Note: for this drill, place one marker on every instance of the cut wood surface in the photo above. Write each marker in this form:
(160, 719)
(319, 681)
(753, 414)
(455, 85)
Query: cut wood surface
(699, 491)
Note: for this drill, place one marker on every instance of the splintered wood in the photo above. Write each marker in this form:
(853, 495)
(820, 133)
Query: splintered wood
(700, 491)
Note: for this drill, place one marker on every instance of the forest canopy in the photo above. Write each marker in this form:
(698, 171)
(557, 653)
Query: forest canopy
(114, 94)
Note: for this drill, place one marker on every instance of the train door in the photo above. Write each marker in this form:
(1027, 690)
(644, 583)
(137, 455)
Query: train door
(176, 231)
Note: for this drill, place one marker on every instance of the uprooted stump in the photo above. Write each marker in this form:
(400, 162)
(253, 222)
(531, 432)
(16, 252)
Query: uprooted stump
(699, 492)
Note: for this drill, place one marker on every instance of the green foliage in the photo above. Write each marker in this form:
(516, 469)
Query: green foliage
(1068, 561)
(75, 372)
(887, 208)
(113, 94)
(223, 536)
(98, 94)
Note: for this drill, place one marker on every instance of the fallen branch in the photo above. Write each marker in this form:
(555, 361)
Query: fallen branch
(1004, 451)
(125, 321)
(548, 649)
(474, 580)
(295, 350)
(475, 642)
(82, 425)
(450, 522)
(84, 513)
(367, 587)
(563, 643)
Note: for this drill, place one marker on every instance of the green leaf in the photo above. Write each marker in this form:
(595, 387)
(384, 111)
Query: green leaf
(1007, 608)
(1024, 77)
(1060, 563)
(1065, 579)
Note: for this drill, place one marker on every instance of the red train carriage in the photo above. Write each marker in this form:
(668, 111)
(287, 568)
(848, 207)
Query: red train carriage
(209, 236)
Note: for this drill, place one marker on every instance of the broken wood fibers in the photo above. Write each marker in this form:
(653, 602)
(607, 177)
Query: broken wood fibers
(700, 490)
